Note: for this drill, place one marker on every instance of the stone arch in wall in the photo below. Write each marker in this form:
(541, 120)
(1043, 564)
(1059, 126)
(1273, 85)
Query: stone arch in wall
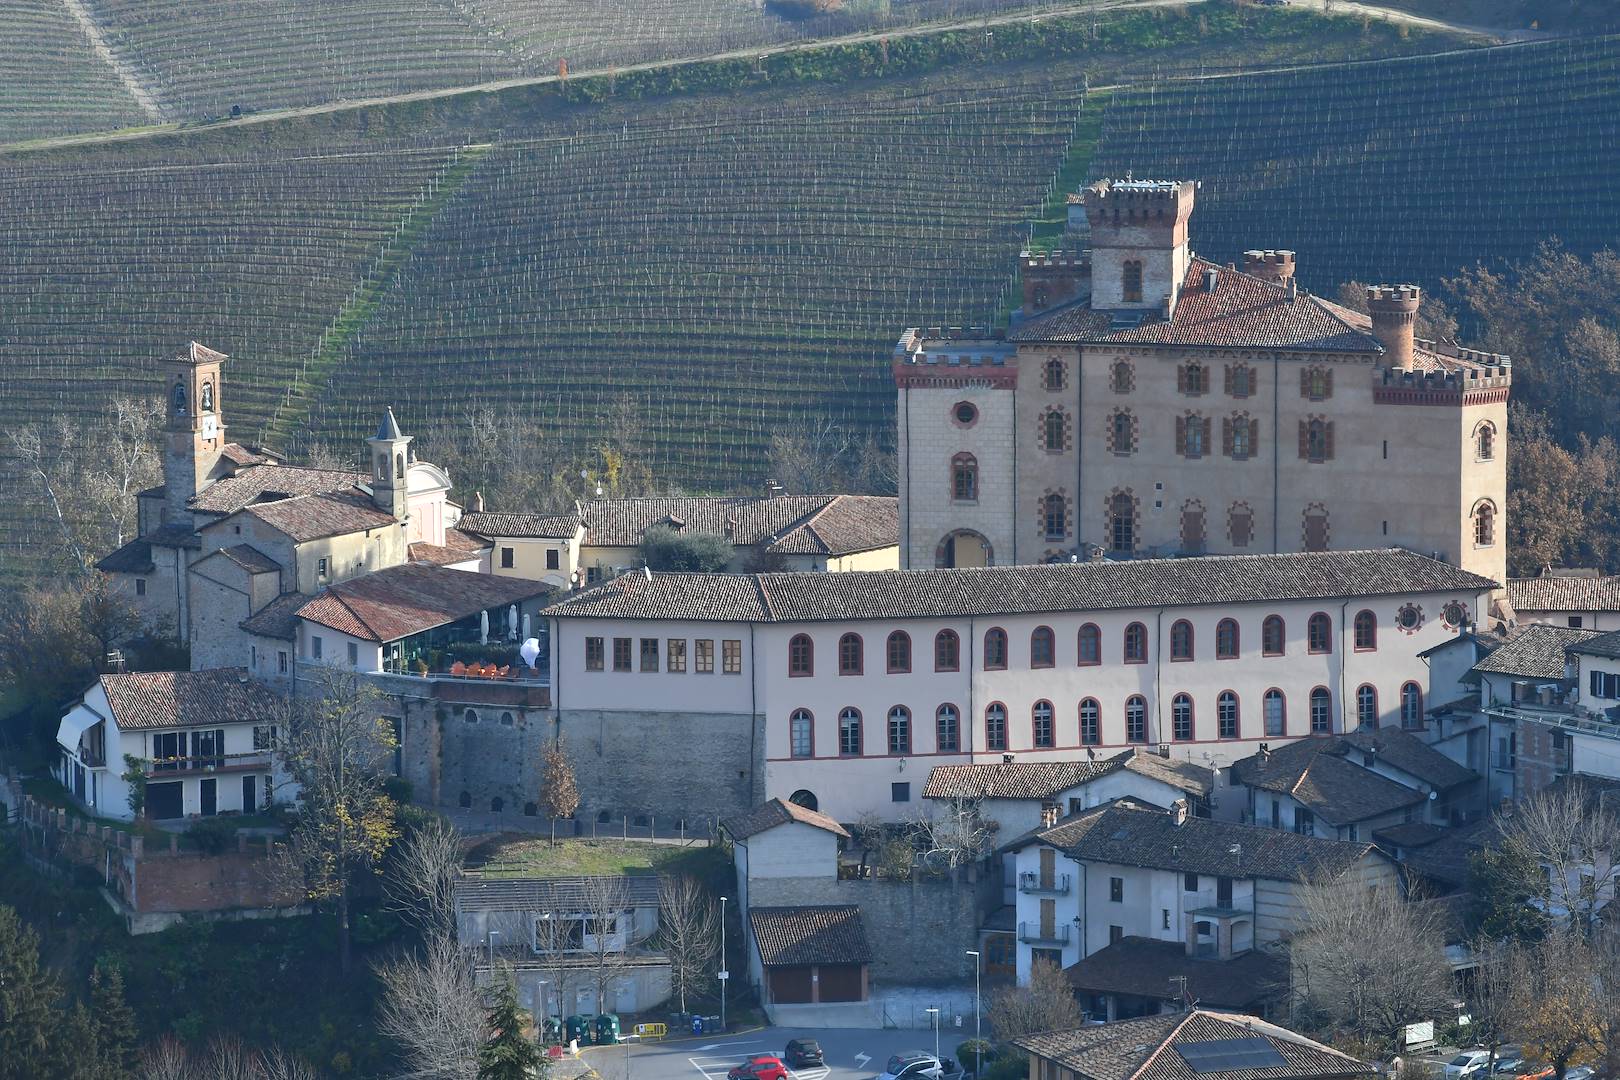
(964, 548)
(1194, 530)
(1315, 532)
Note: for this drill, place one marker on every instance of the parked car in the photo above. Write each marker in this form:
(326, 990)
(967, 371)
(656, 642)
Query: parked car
(1509, 1065)
(1535, 1072)
(1469, 1063)
(919, 1066)
(1582, 1072)
(759, 1067)
(803, 1052)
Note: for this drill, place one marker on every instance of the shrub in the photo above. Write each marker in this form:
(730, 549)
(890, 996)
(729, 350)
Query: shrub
(1009, 1067)
(662, 548)
(971, 1052)
(212, 835)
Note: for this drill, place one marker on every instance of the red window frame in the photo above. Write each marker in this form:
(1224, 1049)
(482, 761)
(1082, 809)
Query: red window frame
(1320, 694)
(1282, 636)
(1140, 702)
(1360, 723)
(888, 730)
(1139, 630)
(801, 656)
(810, 718)
(999, 635)
(1282, 699)
(1090, 735)
(1319, 634)
(845, 642)
(956, 650)
(940, 743)
(1180, 700)
(1419, 693)
(1043, 634)
(1181, 641)
(903, 639)
(1366, 620)
(860, 732)
(1091, 633)
(990, 742)
(1237, 715)
(1228, 639)
(1035, 739)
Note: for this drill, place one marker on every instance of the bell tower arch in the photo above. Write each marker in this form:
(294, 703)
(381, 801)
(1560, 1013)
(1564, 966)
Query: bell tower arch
(194, 427)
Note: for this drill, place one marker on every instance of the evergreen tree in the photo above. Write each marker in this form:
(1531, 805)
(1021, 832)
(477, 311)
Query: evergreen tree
(116, 1035)
(508, 1055)
(74, 1052)
(28, 997)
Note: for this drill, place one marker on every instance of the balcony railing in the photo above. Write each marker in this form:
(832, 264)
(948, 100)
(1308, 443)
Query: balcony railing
(1035, 934)
(1055, 885)
(207, 763)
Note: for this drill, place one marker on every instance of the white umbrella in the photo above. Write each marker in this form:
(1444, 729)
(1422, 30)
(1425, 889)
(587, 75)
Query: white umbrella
(483, 628)
(511, 623)
(526, 634)
(530, 651)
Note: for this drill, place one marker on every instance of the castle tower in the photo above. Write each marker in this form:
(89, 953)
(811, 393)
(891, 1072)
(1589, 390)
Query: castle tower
(1139, 253)
(194, 433)
(1394, 311)
(390, 489)
(1275, 266)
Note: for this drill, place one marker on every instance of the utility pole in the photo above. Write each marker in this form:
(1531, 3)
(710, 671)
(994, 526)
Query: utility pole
(978, 1046)
(725, 975)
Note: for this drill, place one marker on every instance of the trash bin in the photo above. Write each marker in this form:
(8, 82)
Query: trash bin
(607, 1029)
(577, 1027)
(551, 1031)
(697, 1025)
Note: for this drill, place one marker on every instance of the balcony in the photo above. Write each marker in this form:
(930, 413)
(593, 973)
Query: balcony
(206, 764)
(1053, 885)
(1035, 934)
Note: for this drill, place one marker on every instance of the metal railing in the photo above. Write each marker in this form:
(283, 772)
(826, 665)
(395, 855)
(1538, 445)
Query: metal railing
(209, 762)
(1035, 934)
(1031, 882)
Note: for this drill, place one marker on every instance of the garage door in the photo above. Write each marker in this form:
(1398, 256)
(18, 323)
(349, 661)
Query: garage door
(165, 800)
(790, 985)
(841, 982)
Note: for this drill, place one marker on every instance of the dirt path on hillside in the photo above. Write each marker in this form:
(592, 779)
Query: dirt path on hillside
(92, 30)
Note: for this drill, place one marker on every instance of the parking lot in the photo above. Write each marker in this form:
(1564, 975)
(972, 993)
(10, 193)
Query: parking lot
(849, 1054)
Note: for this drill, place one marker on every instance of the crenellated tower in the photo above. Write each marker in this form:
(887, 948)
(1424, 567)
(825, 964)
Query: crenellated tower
(1139, 252)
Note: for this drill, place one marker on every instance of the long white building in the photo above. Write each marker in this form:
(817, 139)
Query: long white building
(842, 691)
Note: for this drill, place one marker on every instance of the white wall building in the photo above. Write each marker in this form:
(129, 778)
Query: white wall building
(1579, 601)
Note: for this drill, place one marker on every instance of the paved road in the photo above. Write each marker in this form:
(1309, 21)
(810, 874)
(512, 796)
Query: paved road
(1058, 10)
(850, 1054)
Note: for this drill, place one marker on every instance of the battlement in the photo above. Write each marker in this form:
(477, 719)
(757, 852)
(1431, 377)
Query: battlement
(1139, 201)
(1055, 260)
(1468, 386)
(1269, 265)
(955, 356)
(1472, 356)
(1394, 298)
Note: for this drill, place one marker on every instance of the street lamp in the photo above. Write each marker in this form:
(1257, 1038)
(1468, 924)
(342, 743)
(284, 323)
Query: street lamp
(978, 1046)
(939, 1069)
(725, 975)
(493, 934)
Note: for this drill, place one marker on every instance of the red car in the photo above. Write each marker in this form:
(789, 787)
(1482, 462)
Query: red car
(759, 1067)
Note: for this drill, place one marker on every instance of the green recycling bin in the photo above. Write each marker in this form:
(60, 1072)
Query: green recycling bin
(607, 1029)
(577, 1027)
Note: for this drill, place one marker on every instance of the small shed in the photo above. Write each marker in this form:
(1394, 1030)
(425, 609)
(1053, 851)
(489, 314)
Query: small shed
(811, 955)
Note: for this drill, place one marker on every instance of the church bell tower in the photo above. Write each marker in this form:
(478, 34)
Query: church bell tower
(390, 456)
(194, 433)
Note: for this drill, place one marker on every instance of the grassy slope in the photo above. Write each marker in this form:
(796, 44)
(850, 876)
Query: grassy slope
(522, 856)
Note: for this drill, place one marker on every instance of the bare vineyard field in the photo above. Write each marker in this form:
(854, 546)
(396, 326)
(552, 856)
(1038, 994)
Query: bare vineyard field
(50, 81)
(1393, 169)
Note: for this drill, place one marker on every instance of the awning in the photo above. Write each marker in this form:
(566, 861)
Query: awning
(73, 727)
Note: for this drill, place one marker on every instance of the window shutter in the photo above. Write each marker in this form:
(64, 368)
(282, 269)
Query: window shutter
(1226, 435)
(1327, 441)
(1327, 383)
(1203, 379)
(1181, 378)
(1596, 687)
(1229, 380)
(1304, 440)
(1181, 434)
(1254, 438)
(1208, 426)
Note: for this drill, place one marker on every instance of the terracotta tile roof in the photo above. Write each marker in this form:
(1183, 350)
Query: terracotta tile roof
(312, 517)
(240, 455)
(526, 526)
(399, 601)
(1558, 593)
(1326, 784)
(776, 812)
(458, 546)
(1602, 645)
(475, 893)
(1130, 835)
(1448, 860)
(810, 935)
(1410, 754)
(1092, 586)
(257, 483)
(1143, 967)
(166, 699)
(250, 559)
(1145, 1049)
(134, 557)
(1075, 322)
(1533, 651)
(743, 519)
(277, 619)
(1044, 779)
(847, 525)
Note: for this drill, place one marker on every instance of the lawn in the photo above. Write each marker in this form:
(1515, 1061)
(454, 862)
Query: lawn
(527, 856)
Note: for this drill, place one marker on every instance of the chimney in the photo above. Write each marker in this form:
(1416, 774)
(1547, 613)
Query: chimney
(1394, 312)
(1178, 812)
(478, 502)
(1273, 266)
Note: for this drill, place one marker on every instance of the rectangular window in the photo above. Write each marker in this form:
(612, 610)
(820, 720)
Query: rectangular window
(731, 656)
(801, 734)
(675, 654)
(281, 661)
(1304, 821)
(320, 569)
(140, 586)
(253, 657)
(1115, 934)
(1189, 882)
(1116, 890)
(264, 737)
(506, 558)
(166, 747)
(649, 654)
(354, 655)
(593, 654)
(900, 792)
(1164, 916)
(621, 654)
(316, 646)
(593, 574)
(1574, 620)
(552, 559)
(705, 656)
(208, 747)
(1611, 685)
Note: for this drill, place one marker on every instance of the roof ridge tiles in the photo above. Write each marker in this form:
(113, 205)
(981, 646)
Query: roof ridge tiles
(1166, 1042)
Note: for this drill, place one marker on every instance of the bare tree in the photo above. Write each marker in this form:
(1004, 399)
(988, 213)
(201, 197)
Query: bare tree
(559, 791)
(809, 459)
(1560, 1010)
(1046, 1004)
(609, 933)
(1493, 997)
(689, 932)
(125, 461)
(1566, 838)
(166, 1059)
(40, 449)
(276, 1064)
(226, 1058)
(558, 943)
(432, 1007)
(1369, 960)
(422, 873)
(320, 455)
(952, 834)
(345, 823)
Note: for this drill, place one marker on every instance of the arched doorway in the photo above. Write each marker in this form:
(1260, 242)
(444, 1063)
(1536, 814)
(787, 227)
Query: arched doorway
(964, 548)
(806, 799)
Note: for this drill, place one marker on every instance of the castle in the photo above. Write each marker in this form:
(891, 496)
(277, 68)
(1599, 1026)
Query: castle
(1147, 402)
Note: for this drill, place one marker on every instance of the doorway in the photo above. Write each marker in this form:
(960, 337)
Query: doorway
(964, 549)
(250, 793)
(209, 791)
(163, 801)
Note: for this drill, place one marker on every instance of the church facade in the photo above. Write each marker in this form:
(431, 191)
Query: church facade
(1147, 402)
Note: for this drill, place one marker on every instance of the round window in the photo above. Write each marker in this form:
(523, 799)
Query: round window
(966, 413)
(1409, 617)
(1454, 614)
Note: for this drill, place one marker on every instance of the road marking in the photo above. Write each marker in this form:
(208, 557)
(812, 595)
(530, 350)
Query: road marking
(861, 1058)
(728, 1045)
(810, 1074)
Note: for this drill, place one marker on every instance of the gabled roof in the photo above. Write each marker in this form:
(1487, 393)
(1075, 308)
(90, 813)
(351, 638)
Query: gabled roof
(240, 455)
(1533, 651)
(1448, 859)
(258, 483)
(399, 601)
(999, 590)
(1327, 775)
(134, 557)
(1145, 1049)
(810, 935)
(776, 812)
(1557, 592)
(458, 546)
(520, 526)
(1606, 645)
(1044, 779)
(847, 525)
(250, 558)
(278, 619)
(312, 517)
(166, 699)
(476, 893)
(1144, 967)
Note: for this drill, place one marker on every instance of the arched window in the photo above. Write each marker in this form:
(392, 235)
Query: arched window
(1194, 378)
(1055, 516)
(802, 733)
(849, 732)
(1057, 374)
(1131, 282)
(1090, 722)
(1321, 711)
(1192, 527)
(1366, 631)
(965, 478)
(898, 651)
(851, 658)
(1090, 645)
(1136, 719)
(207, 403)
(497, 804)
(1316, 527)
(995, 649)
(1226, 639)
(1240, 436)
(1240, 524)
(1181, 640)
(1319, 633)
(1121, 378)
(899, 730)
(947, 729)
(1042, 647)
(179, 399)
(470, 716)
(806, 799)
(1316, 383)
(1192, 433)
(1122, 522)
(1276, 713)
(506, 719)
(1485, 441)
(399, 466)
(995, 726)
(1273, 636)
(1226, 714)
(1411, 706)
(1367, 707)
(465, 800)
(947, 651)
(1484, 524)
(1041, 722)
(1122, 433)
(1053, 429)
(1136, 644)
(1181, 717)
(801, 656)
